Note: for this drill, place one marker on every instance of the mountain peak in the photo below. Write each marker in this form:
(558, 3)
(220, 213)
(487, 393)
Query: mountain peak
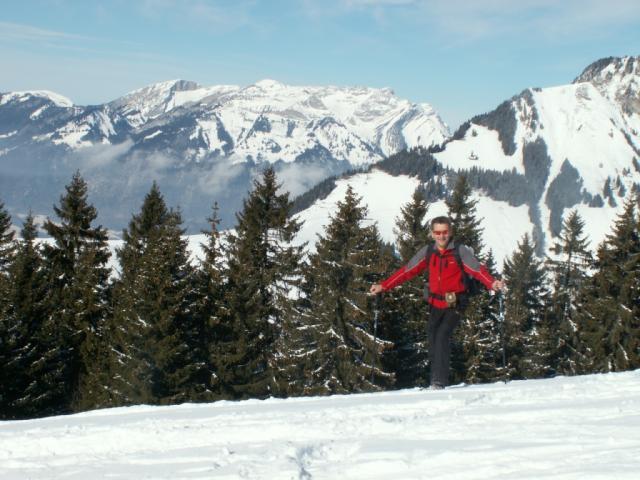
(606, 69)
(269, 84)
(153, 100)
(56, 98)
(618, 79)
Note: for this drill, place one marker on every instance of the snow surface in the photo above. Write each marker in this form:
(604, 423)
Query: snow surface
(561, 428)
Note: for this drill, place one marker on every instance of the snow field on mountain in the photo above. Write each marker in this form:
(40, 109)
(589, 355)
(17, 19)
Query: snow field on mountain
(480, 148)
(385, 195)
(561, 428)
(583, 127)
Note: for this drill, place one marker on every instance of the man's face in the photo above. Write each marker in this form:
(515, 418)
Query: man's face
(441, 233)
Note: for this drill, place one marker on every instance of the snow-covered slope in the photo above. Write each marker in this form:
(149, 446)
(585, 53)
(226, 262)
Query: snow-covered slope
(563, 428)
(386, 194)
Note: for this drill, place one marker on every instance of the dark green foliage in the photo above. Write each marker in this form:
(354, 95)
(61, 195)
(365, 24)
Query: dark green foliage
(536, 162)
(569, 270)
(154, 330)
(507, 186)
(609, 314)
(75, 266)
(319, 192)
(340, 315)
(7, 251)
(7, 246)
(462, 211)
(417, 162)
(482, 335)
(263, 268)
(20, 325)
(211, 286)
(564, 191)
(526, 333)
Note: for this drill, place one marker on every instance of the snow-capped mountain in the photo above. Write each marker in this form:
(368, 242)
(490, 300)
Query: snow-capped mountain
(533, 159)
(202, 144)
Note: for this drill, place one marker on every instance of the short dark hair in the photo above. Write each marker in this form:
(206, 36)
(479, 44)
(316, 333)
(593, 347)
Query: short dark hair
(442, 221)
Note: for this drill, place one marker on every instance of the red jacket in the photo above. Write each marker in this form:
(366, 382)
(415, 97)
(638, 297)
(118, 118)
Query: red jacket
(444, 272)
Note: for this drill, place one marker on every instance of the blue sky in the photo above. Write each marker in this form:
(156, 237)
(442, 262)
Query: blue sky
(463, 57)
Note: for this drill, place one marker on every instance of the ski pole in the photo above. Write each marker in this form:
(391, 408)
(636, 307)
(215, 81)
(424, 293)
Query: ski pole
(501, 318)
(376, 312)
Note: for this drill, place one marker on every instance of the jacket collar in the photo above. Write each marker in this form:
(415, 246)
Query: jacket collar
(450, 246)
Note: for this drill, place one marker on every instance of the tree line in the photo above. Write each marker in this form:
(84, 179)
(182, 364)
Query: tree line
(261, 316)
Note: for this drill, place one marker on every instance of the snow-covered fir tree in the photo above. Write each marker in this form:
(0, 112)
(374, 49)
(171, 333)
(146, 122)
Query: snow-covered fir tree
(347, 353)
(77, 281)
(20, 325)
(609, 314)
(263, 271)
(211, 286)
(483, 345)
(464, 215)
(154, 331)
(569, 269)
(526, 332)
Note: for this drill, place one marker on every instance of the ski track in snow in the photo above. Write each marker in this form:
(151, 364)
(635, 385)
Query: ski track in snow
(569, 428)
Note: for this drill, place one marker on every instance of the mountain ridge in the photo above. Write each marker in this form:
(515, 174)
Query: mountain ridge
(203, 144)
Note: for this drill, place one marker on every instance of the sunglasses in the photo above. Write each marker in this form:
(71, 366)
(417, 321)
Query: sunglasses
(440, 232)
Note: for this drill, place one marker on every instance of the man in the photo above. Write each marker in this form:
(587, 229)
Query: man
(446, 290)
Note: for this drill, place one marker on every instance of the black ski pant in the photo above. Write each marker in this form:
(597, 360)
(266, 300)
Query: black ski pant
(442, 323)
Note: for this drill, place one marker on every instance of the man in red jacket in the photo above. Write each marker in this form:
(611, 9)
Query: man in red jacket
(446, 290)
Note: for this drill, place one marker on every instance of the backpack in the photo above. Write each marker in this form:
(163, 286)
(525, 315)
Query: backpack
(472, 287)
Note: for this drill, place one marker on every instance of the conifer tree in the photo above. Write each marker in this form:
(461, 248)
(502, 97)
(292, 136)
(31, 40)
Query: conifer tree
(482, 347)
(525, 330)
(77, 279)
(570, 270)
(7, 246)
(154, 328)
(463, 213)
(610, 302)
(263, 270)
(346, 354)
(407, 305)
(21, 323)
(211, 284)
(7, 250)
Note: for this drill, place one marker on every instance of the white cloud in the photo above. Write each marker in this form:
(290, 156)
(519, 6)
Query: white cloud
(21, 32)
(99, 155)
(297, 179)
(220, 177)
